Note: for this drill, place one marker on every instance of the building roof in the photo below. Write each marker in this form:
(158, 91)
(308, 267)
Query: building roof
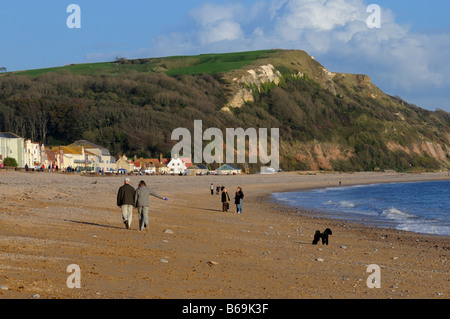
(228, 167)
(72, 149)
(87, 144)
(199, 166)
(9, 135)
(144, 163)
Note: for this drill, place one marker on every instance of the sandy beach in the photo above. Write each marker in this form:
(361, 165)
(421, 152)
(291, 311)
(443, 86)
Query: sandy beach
(193, 250)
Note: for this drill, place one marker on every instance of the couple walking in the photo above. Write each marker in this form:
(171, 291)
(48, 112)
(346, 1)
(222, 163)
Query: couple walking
(128, 197)
(238, 199)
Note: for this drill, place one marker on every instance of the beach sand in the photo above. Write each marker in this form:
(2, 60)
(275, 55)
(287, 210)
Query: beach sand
(50, 221)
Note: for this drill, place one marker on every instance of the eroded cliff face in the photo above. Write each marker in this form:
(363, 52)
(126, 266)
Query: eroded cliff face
(428, 148)
(253, 78)
(242, 86)
(320, 156)
(356, 87)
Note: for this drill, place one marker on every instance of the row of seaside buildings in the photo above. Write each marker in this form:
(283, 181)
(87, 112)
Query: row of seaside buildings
(84, 156)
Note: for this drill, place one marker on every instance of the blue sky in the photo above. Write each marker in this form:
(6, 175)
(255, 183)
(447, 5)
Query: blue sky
(407, 56)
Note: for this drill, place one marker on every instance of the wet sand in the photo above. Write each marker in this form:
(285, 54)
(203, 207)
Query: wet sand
(50, 221)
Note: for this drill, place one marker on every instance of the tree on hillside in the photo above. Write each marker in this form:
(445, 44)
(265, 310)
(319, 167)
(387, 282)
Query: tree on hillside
(3, 69)
(121, 60)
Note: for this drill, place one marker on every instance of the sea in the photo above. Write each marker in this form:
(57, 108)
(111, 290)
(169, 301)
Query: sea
(420, 207)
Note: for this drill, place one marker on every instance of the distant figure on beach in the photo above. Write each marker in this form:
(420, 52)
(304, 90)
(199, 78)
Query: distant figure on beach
(142, 203)
(217, 190)
(212, 189)
(238, 199)
(125, 200)
(225, 200)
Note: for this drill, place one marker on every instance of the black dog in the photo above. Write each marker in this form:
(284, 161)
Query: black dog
(324, 236)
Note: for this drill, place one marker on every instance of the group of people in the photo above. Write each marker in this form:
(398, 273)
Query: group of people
(225, 198)
(51, 168)
(128, 198)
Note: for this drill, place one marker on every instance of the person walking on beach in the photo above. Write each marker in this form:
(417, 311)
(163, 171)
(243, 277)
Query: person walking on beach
(217, 190)
(142, 203)
(238, 199)
(212, 189)
(225, 200)
(125, 200)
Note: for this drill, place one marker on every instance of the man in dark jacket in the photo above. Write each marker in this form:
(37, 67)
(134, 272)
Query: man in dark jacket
(125, 200)
(225, 200)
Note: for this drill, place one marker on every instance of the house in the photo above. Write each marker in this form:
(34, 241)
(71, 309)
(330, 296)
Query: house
(123, 164)
(154, 167)
(176, 166)
(12, 146)
(33, 154)
(51, 157)
(99, 157)
(228, 169)
(71, 157)
(147, 166)
(198, 169)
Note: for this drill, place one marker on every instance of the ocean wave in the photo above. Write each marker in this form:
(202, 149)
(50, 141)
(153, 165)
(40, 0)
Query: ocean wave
(343, 188)
(394, 213)
(346, 204)
(425, 228)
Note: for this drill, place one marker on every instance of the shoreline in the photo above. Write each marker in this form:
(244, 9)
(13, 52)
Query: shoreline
(366, 221)
(50, 221)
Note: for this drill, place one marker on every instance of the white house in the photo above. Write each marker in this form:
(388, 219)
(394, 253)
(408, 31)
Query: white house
(176, 166)
(33, 154)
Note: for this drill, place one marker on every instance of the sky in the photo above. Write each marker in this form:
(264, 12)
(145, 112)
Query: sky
(406, 55)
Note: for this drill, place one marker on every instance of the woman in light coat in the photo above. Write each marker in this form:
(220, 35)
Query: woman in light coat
(238, 199)
(141, 201)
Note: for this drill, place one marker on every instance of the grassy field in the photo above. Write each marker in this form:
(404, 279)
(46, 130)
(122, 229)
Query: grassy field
(217, 63)
(103, 68)
(176, 65)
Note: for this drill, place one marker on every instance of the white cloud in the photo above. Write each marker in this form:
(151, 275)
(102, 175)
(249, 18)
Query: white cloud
(221, 31)
(217, 22)
(210, 13)
(319, 15)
